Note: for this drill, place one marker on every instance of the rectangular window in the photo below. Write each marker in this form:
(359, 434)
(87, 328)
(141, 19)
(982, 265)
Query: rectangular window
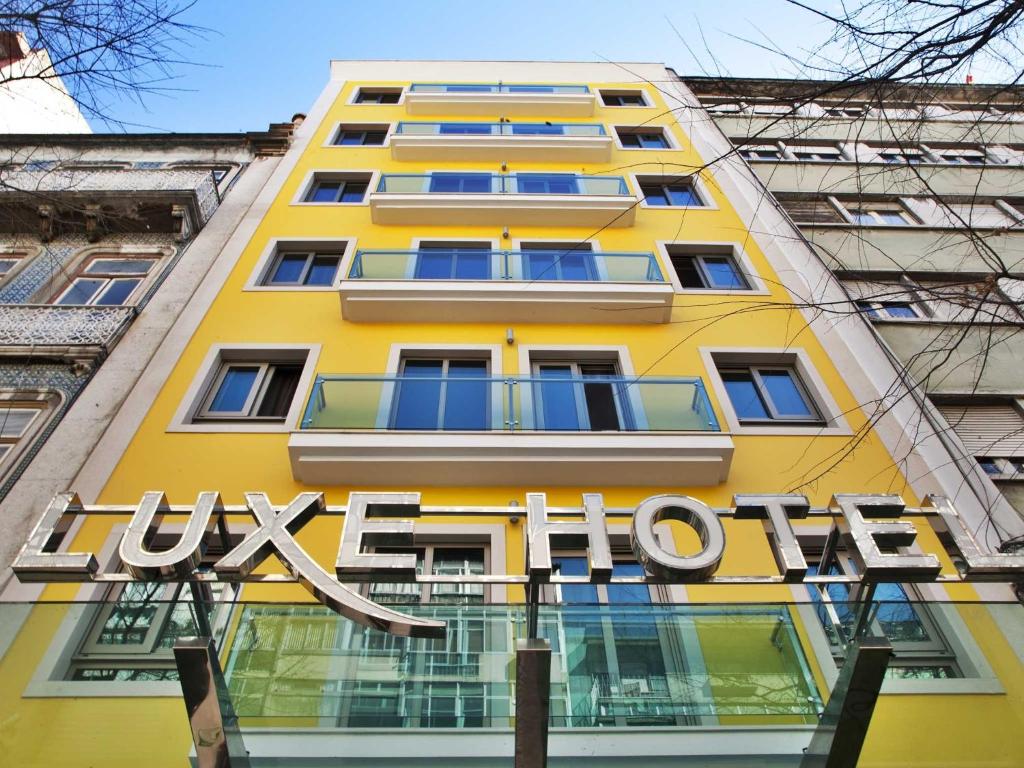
(963, 156)
(303, 268)
(442, 393)
(106, 281)
(580, 397)
(761, 153)
(466, 183)
(437, 560)
(817, 154)
(464, 261)
(252, 391)
(992, 432)
(15, 421)
(552, 261)
(8, 263)
(902, 157)
(880, 214)
(547, 183)
(889, 310)
(710, 271)
(464, 129)
(338, 190)
(640, 138)
(361, 135)
(765, 394)
(378, 96)
(669, 193)
(623, 99)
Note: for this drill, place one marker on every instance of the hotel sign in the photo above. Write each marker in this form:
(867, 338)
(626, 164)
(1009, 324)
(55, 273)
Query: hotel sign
(867, 524)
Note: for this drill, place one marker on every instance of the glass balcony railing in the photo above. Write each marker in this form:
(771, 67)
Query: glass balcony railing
(500, 129)
(555, 265)
(497, 184)
(535, 88)
(550, 402)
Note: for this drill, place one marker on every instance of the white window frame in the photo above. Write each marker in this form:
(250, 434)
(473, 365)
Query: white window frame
(694, 180)
(210, 371)
(664, 130)
(328, 175)
(358, 89)
(45, 402)
(595, 248)
(277, 246)
(342, 125)
(739, 255)
(833, 421)
(21, 258)
(623, 92)
(893, 207)
(61, 282)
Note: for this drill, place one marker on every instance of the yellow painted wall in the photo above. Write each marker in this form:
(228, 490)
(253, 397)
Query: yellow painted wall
(183, 464)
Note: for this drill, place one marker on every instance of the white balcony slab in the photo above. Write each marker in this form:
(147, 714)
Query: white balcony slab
(461, 301)
(540, 104)
(503, 209)
(393, 459)
(593, 149)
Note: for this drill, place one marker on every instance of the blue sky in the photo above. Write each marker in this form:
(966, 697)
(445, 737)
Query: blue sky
(262, 61)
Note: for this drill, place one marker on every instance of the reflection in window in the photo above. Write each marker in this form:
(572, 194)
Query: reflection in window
(442, 394)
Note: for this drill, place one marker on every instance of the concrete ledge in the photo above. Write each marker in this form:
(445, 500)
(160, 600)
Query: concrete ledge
(509, 458)
(556, 104)
(503, 209)
(460, 301)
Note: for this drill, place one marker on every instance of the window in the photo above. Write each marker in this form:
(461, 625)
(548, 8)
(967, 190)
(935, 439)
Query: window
(991, 432)
(337, 189)
(766, 394)
(303, 268)
(553, 261)
(467, 183)
(707, 270)
(461, 261)
(378, 96)
(896, 612)
(442, 393)
(252, 391)
(669, 192)
(990, 466)
(580, 397)
(106, 281)
(817, 154)
(464, 129)
(15, 421)
(361, 135)
(623, 99)
(880, 214)
(889, 310)
(547, 183)
(437, 560)
(643, 138)
(761, 152)
(9, 263)
(811, 210)
(902, 156)
(853, 112)
(962, 156)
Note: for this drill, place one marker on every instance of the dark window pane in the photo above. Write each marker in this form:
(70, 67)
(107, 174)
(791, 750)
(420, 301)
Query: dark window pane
(743, 395)
(324, 192)
(601, 410)
(629, 140)
(234, 389)
(277, 398)
(466, 402)
(289, 268)
(574, 593)
(558, 398)
(688, 272)
(351, 137)
(473, 265)
(654, 194)
(374, 137)
(681, 194)
(722, 272)
(354, 191)
(323, 270)
(417, 402)
(785, 394)
(117, 292)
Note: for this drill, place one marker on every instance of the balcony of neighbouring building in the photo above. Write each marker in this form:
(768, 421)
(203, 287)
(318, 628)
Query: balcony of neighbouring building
(535, 199)
(421, 428)
(478, 285)
(67, 331)
(541, 141)
(56, 200)
(541, 99)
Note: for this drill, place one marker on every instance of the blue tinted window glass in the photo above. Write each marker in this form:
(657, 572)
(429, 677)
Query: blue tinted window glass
(322, 271)
(417, 401)
(535, 129)
(476, 129)
(574, 593)
(680, 194)
(351, 137)
(785, 394)
(547, 183)
(628, 593)
(654, 195)
(540, 265)
(81, 292)
(234, 389)
(577, 265)
(466, 402)
(743, 396)
(117, 292)
(722, 272)
(899, 310)
(652, 141)
(460, 182)
(434, 265)
(353, 192)
(558, 398)
(473, 265)
(289, 269)
(897, 616)
(324, 192)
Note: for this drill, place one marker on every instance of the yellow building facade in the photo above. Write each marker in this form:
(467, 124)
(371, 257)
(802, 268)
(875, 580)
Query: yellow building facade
(475, 281)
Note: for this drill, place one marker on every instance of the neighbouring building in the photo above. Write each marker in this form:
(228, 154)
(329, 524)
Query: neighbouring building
(33, 98)
(466, 284)
(912, 195)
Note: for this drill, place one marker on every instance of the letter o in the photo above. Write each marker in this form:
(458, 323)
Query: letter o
(666, 565)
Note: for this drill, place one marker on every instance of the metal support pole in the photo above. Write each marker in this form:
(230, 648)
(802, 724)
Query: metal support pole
(211, 717)
(839, 737)
(532, 608)
(533, 690)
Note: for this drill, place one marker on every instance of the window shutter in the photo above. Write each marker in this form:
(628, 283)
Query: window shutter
(987, 430)
(811, 211)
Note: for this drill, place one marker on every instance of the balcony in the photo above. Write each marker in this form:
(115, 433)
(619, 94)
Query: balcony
(531, 199)
(468, 428)
(550, 142)
(477, 285)
(80, 332)
(542, 99)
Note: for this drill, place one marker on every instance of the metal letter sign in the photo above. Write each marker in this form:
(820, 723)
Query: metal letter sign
(44, 557)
